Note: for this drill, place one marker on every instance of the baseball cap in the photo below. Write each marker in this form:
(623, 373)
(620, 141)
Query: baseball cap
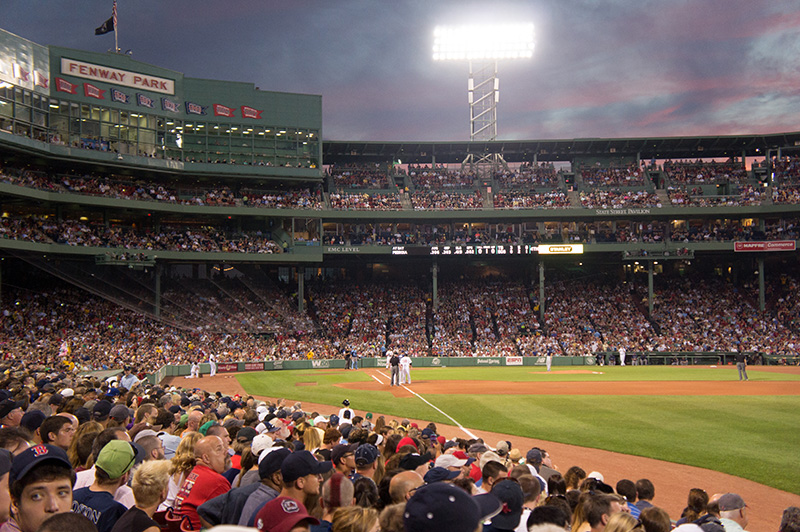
(144, 433)
(282, 514)
(730, 501)
(477, 448)
(346, 429)
(438, 474)
(116, 458)
(413, 460)
(302, 463)
(101, 410)
(33, 420)
(67, 392)
(119, 412)
(83, 414)
(534, 456)
(260, 442)
(246, 434)
(333, 420)
(7, 406)
(320, 419)
(272, 461)
(33, 456)
(461, 455)
(342, 449)
(346, 402)
(490, 456)
(448, 460)
(406, 441)
(366, 454)
(441, 506)
(510, 494)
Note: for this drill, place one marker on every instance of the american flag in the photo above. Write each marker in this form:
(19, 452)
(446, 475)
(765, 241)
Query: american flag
(114, 14)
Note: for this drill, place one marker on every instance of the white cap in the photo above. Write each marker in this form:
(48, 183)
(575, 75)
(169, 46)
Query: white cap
(448, 460)
(261, 442)
(266, 452)
(260, 428)
(320, 419)
(596, 475)
(67, 392)
(144, 433)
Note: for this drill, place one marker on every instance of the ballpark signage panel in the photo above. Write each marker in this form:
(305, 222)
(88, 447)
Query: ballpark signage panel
(513, 361)
(254, 366)
(562, 249)
(137, 80)
(228, 367)
(778, 245)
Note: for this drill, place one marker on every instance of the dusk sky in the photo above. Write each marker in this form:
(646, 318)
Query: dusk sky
(604, 68)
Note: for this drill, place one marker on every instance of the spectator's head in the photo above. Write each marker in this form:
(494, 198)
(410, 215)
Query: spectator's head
(510, 495)
(645, 491)
(623, 522)
(5, 500)
(491, 473)
(150, 483)
(152, 446)
(211, 452)
(790, 520)
(732, 506)
(303, 473)
(15, 439)
(574, 476)
(67, 521)
(627, 489)
(403, 485)
(655, 519)
(439, 507)
(114, 462)
(598, 509)
(354, 519)
(283, 514)
(337, 492)
(40, 484)
(11, 413)
(58, 431)
(547, 514)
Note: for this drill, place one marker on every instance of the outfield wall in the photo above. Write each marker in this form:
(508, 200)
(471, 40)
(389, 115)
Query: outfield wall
(662, 358)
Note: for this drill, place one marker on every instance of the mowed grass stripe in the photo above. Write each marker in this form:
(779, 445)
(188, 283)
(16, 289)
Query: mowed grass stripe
(754, 437)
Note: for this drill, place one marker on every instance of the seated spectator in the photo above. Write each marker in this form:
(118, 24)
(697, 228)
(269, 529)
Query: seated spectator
(149, 486)
(205, 481)
(111, 471)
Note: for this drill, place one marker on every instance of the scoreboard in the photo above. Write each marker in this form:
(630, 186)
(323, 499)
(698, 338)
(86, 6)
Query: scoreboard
(470, 250)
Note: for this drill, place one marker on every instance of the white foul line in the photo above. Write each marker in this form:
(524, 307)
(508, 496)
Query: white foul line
(409, 390)
(377, 379)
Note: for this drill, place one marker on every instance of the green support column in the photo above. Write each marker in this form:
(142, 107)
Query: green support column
(301, 286)
(435, 279)
(762, 302)
(541, 293)
(650, 287)
(157, 301)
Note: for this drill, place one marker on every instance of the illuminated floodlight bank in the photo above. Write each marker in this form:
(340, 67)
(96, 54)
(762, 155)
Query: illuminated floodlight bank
(483, 42)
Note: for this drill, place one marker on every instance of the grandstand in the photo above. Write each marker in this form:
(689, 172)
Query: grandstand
(214, 214)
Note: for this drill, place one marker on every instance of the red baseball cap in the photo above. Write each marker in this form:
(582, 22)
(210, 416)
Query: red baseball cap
(282, 514)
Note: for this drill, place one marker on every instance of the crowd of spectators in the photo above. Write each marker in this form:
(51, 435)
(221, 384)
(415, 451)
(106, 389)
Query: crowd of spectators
(615, 199)
(439, 177)
(746, 195)
(555, 199)
(700, 172)
(527, 175)
(288, 199)
(786, 169)
(631, 175)
(77, 233)
(118, 454)
(354, 201)
(447, 201)
(359, 177)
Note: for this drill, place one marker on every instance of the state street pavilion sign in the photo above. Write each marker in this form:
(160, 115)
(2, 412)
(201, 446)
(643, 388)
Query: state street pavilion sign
(126, 78)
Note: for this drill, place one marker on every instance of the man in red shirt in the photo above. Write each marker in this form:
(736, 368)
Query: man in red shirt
(205, 481)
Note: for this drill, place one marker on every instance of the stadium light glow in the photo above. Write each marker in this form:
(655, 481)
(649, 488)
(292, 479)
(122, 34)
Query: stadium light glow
(483, 42)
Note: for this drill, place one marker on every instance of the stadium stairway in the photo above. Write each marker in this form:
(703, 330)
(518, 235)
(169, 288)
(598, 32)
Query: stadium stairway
(574, 199)
(663, 197)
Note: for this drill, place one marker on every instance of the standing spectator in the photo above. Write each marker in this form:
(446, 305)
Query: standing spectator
(129, 381)
(111, 471)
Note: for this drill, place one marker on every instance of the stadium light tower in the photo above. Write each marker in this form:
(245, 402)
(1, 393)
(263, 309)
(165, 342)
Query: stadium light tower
(482, 46)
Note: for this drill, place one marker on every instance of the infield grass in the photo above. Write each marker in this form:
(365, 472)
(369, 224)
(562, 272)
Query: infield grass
(754, 437)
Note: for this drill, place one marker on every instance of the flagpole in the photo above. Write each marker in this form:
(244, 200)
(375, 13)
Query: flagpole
(116, 28)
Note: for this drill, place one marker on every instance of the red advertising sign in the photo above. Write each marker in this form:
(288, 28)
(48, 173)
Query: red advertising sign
(228, 367)
(777, 245)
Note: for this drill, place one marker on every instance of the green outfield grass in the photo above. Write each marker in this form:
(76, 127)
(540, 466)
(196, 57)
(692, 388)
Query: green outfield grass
(747, 436)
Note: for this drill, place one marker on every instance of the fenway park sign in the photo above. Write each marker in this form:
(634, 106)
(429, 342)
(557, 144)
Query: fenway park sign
(228, 367)
(776, 245)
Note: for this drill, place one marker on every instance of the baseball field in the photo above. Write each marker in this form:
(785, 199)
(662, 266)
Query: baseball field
(682, 426)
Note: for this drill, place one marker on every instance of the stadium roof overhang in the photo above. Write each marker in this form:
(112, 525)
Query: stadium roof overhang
(348, 152)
